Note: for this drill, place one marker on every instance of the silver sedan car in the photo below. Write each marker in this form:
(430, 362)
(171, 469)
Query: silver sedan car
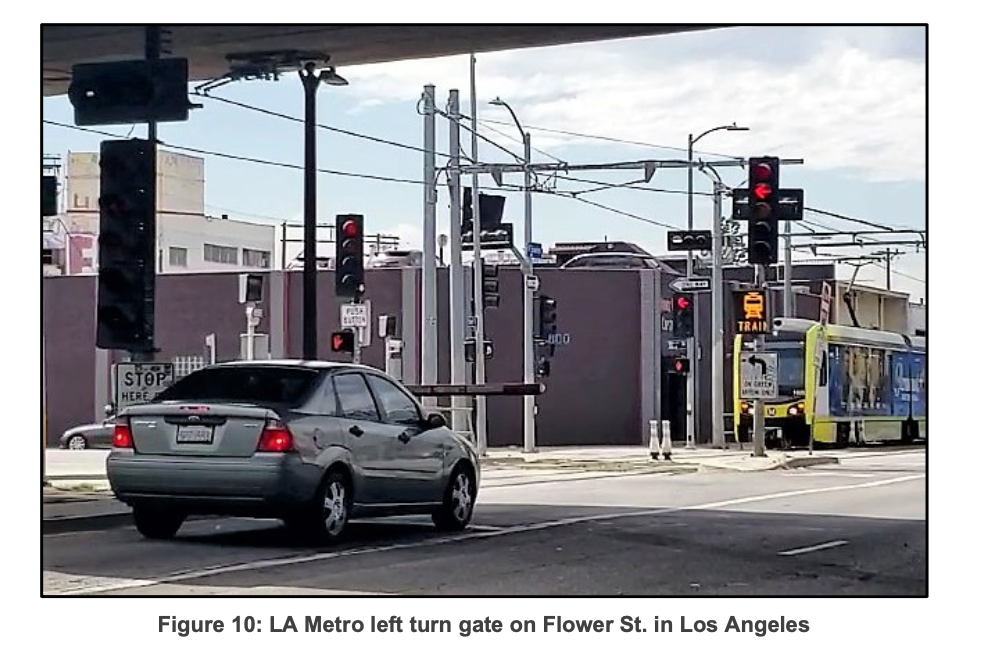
(314, 444)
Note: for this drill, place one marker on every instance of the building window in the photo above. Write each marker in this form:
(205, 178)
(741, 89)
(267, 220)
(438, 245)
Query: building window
(178, 256)
(256, 258)
(219, 254)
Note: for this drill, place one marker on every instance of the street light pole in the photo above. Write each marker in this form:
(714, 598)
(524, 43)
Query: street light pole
(309, 314)
(310, 80)
(691, 344)
(530, 444)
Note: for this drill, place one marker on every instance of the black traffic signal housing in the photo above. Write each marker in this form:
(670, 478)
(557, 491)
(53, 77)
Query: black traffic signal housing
(49, 195)
(349, 256)
(683, 315)
(681, 365)
(343, 341)
(547, 318)
(764, 178)
(130, 92)
(127, 250)
(491, 285)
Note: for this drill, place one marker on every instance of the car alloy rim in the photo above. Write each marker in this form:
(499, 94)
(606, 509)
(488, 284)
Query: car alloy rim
(461, 497)
(76, 443)
(335, 508)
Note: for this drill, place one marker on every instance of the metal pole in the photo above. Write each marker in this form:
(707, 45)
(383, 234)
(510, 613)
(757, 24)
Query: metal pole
(788, 290)
(690, 350)
(152, 51)
(530, 444)
(457, 297)
(284, 246)
(759, 448)
(718, 381)
(44, 411)
(429, 292)
(310, 82)
(889, 261)
(477, 270)
(249, 333)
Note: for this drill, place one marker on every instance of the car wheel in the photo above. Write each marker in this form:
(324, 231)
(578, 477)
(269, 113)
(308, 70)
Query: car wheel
(459, 502)
(76, 442)
(327, 518)
(157, 523)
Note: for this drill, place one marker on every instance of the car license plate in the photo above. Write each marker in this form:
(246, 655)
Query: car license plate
(195, 434)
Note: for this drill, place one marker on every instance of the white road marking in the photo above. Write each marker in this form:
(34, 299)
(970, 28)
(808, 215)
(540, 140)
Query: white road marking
(812, 548)
(295, 559)
(829, 473)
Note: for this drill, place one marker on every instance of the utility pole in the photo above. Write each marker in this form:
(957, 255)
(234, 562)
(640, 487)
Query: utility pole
(888, 256)
(456, 285)
(477, 270)
(429, 288)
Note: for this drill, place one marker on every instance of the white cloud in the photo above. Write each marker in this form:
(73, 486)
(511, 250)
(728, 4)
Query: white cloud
(836, 105)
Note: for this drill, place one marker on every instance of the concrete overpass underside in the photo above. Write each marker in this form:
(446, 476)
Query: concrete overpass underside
(208, 46)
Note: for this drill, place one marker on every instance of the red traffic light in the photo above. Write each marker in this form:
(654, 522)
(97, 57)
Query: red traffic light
(350, 229)
(762, 190)
(761, 172)
(681, 365)
(682, 303)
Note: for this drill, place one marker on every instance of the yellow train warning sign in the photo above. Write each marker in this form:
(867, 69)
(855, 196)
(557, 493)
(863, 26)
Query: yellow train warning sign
(751, 313)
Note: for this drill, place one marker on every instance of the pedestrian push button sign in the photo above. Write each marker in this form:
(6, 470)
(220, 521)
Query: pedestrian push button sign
(751, 313)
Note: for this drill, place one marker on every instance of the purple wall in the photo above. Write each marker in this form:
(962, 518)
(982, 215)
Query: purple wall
(593, 391)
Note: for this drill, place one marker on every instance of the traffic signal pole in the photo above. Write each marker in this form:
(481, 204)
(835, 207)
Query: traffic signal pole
(690, 407)
(718, 380)
(530, 444)
(759, 445)
(152, 51)
(457, 294)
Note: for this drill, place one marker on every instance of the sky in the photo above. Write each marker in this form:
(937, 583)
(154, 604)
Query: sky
(849, 101)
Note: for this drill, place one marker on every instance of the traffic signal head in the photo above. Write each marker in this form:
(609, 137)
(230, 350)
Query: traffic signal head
(349, 256)
(49, 195)
(764, 179)
(491, 285)
(343, 341)
(547, 317)
(127, 251)
(683, 315)
(251, 288)
(130, 92)
(681, 365)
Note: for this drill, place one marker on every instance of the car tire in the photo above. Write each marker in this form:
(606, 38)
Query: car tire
(326, 519)
(157, 523)
(458, 503)
(76, 442)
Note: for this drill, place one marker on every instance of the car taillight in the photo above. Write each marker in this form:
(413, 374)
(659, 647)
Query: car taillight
(122, 438)
(275, 437)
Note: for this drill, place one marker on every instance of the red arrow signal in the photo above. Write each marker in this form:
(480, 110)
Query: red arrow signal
(762, 190)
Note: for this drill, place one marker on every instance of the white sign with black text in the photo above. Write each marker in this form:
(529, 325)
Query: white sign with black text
(140, 382)
(758, 376)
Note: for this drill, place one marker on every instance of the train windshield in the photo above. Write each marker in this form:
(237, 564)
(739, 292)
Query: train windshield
(790, 367)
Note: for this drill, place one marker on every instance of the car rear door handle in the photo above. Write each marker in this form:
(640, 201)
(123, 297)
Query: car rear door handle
(355, 430)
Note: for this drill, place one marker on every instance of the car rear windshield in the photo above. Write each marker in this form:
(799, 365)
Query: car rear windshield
(243, 384)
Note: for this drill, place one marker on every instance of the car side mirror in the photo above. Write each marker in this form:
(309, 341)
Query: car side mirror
(108, 410)
(436, 421)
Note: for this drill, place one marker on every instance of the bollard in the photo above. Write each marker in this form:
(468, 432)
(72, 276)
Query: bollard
(666, 439)
(655, 440)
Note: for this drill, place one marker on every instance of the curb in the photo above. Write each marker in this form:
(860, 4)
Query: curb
(808, 461)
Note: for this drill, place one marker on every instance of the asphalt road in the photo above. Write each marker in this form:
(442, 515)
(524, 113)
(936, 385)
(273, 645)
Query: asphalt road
(858, 528)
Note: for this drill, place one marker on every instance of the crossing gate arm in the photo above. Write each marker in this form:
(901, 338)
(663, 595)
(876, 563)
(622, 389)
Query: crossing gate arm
(488, 389)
